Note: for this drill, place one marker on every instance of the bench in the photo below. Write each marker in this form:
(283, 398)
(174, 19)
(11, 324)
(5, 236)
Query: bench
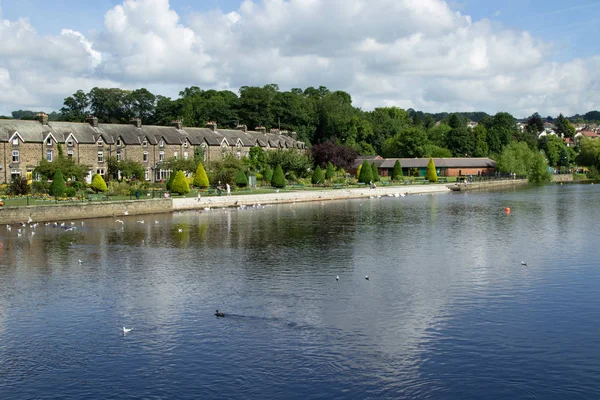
(385, 183)
(297, 186)
(94, 197)
(442, 180)
(338, 185)
(420, 181)
(361, 184)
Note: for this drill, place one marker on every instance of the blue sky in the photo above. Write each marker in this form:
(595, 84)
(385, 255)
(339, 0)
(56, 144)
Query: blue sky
(519, 56)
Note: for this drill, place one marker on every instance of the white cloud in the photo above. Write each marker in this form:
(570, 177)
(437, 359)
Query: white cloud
(410, 53)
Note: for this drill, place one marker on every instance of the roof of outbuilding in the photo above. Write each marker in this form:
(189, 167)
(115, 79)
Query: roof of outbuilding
(462, 162)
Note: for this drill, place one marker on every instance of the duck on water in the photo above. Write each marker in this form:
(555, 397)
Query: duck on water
(219, 314)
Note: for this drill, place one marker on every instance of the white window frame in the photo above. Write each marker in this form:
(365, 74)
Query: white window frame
(176, 154)
(49, 155)
(185, 144)
(119, 142)
(145, 156)
(15, 141)
(185, 155)
(100, 171)
(145, 143)
(161, 156)
(70, 143)
(70, 153)
(49, 141)
(15, 156)
(161, 143)
(100, 142)
(147, 175)
(119, 155)
(100, 156)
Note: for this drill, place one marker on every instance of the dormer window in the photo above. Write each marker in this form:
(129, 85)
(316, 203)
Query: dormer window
(49, 141)
(70, 143)
(100, 143)
(161, 143)
(119, 142)
(145, 143)
(185, 144)
(15, 141)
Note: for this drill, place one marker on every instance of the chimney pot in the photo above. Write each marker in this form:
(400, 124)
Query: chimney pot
(137, 122)
(177, 124)
(261, 129)
(242, 128)
(212, 125)
(43, 118)
(93, 121)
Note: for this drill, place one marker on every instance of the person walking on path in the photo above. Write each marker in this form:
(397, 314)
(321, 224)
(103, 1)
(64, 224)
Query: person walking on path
(228, 188)
(198, 198)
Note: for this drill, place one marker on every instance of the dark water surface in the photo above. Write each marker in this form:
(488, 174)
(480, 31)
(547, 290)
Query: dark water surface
(448, 311)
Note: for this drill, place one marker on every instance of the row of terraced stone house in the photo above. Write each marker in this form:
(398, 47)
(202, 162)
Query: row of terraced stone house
(25, 143)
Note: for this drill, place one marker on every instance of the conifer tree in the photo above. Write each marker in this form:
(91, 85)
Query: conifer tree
(375, 173)
(241, 180)
(171, 178)
(200, 177)
(58, 186)
(317, 177)
(98, 184)
(330, 171)
(397, 171)
(278, 180)
(180, 184)
(366, 175)
(268, 174)
(430, 173)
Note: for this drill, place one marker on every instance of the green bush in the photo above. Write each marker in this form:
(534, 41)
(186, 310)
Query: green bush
(375, 173)
(366, 174)
(268, 174)
(170, 181)
(430, 173)
(317, 177)
(98, 183)
(18, 186)
(200, 177)
(278, 180)
(397, 171)
(58, 186)
(117, 188)
(291, 176)
(39, 187)
(71, 191)
(330, 171)
(240, 179)
(180, 184)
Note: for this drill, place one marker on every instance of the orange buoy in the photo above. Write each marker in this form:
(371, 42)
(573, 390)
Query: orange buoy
(507, 210)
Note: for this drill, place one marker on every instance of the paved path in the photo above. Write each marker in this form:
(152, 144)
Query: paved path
(302, 196)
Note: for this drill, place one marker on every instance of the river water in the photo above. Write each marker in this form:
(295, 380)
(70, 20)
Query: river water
(448, 310)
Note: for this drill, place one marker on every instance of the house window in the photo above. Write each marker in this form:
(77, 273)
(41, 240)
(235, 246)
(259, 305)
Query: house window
(15, 156)
(15, 141)
(185, 155)
(70, 153)
(100, 143)
(49, 155)
(161, 143)
(145, 143)
(70, 143)
(175, 154)
(119, 155)
(145, 156)
(204, 156)
(100, 171)
(100, 156)
(49, 141)
(185, 144)
(147, 175)
(161, 156)
(239, 155)
(14, 173)
(119, 142)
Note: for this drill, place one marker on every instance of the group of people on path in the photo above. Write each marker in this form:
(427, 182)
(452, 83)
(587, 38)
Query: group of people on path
(220, 188)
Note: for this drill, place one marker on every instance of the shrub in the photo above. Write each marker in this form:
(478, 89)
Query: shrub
(268, 174)
(200, 177)
(397, 171)
(431, 174)
(58, 186)
(375, 173)
(71, 191)
(18, 186)
(330, 171)
(39, 187)
(240, 179)
(291, 176)
(117, 188)
(317, 177)
(278, 180)
(170, 181)
(180, 184)
(98, 183)
(366, 174)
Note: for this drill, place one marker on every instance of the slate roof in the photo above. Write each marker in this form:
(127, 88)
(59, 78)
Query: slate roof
(82, 131)
(205, 134)
(459, 162)
(131, 135)
(233, 135)
(30, 131)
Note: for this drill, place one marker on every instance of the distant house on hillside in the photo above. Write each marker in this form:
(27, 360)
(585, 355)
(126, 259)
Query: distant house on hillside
(472, 124)
(444, 166)
(586, 133)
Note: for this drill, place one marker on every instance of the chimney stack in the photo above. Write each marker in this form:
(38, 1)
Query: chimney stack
(243, 128)
(42, 117)
(261, 129)
(294, 135)
(177, 124)
(275, 131)
(93, 121)
(212, 125)
(137, 122)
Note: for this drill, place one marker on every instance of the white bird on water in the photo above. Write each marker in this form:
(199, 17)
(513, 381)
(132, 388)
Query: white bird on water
(29, 220)
(80, 261)
(125, 212)
(523, 264)
(337, 277)
(367, 277)
(179, 230)
(126, 330)
(119, 221)
(140, 222)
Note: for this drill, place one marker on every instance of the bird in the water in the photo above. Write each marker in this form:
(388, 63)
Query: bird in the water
(126, 330)
(119, 221)
(523, 264)
(219, 314)
(367, 277)
(125, 212)
(80, 261)
(179, 230)
(140, 222)
(337, 277)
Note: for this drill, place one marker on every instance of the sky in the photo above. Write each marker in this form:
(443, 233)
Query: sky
(520, 56)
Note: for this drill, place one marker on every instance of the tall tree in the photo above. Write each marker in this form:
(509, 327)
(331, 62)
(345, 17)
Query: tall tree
(75, 107)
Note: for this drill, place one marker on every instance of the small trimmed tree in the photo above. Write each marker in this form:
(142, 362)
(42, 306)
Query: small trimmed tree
(171, 178)
(241, 180)
(180, 184)
(330, 171)
(430, 173)
(268, 174)
(317, 176)
(375, 173)
(200, 177)
(366, 175)
(98, 184)
(58, 186)
(278, 180)
(397, 171)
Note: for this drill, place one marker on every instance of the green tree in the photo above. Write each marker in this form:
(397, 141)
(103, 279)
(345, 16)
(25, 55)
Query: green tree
(366, 174)
(330, 171)
(278, 179)
(169, 184)
(518, 158)
(535, 124)
(200, 177)
(479, 134)
(180, 184)
(58, 186)
(241, 180)
(375, 173)
(501, 130)
(589, 152)
(317, 177)
(98, 184)
(551, 146)
(564, 126)
(267, 174)
(431, 173)
(397, 171)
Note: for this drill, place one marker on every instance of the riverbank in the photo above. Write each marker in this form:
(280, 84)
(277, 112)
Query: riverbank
(67, 212)
(463, 187)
